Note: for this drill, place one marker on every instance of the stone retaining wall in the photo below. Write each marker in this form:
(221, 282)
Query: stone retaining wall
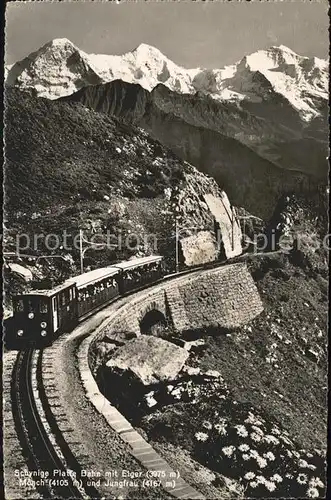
(225, 297)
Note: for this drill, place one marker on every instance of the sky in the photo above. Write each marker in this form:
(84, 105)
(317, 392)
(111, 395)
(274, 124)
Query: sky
(192, 34)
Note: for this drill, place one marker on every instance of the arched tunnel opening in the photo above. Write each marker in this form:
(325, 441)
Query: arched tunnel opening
(153, 323)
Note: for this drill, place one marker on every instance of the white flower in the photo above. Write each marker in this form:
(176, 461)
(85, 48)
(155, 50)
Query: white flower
(254, 454)
(221, 429)
(289, 476)
(271, 439)
(201, 436)
(289, 453)
(260, 479)
(286, 440)
(270, 485)
(245, 456)
(303, 464)
(270, 456)
(243, 447)
(253, 484)
(207, 425)
(257, 430)
(302, 478)
(249, 475)
(262, 462)
(276, 478)
(228, 450)
(276, 431)
(250, 419)
(255, 437)
(313, 493)
(315, 482)
(241, 430)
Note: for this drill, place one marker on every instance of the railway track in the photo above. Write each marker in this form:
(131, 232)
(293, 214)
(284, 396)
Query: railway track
(50, 468)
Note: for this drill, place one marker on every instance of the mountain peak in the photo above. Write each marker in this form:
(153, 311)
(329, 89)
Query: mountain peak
(147, 51)
(284, 48)
(56, 42)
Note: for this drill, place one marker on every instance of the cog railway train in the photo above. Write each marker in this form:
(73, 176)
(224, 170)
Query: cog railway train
(40, 316)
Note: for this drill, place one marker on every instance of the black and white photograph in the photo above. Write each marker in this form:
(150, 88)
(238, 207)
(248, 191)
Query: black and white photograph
(165, 250)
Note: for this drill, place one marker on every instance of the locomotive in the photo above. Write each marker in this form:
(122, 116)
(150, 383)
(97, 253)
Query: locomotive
(40, 316)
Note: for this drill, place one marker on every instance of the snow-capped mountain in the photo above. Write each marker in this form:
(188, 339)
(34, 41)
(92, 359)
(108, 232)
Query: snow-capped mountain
(56, 69)
(302, 81)
(59, 68)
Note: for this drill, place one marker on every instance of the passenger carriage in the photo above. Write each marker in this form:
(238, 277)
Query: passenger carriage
(95, 288)
(136, 273)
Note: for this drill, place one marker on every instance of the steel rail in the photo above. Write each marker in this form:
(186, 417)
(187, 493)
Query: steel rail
(42, 459)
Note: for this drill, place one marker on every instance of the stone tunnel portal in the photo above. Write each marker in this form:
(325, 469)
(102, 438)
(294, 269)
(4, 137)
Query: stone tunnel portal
(153, 323)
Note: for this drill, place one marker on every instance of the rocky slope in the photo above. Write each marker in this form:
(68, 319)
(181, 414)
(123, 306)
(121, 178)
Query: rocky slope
(69, 168)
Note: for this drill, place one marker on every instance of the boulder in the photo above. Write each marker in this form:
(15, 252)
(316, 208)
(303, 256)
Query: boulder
(118, 338)
(150, 359)
(195, 345)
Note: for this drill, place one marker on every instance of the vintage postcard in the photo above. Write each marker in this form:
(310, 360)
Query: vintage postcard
(165, 250)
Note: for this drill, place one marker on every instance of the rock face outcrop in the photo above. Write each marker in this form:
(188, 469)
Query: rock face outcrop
(227, 222)
(207, 225)
(199, 248)
(148, 359)
(22, 271)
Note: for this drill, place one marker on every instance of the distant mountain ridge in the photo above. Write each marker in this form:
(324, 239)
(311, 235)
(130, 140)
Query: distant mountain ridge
(244, 153)
(60, 68)
(293, 146)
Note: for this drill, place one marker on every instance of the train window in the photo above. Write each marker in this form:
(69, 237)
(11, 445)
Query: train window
(30, 306)
(19, 305)
(43, 306)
